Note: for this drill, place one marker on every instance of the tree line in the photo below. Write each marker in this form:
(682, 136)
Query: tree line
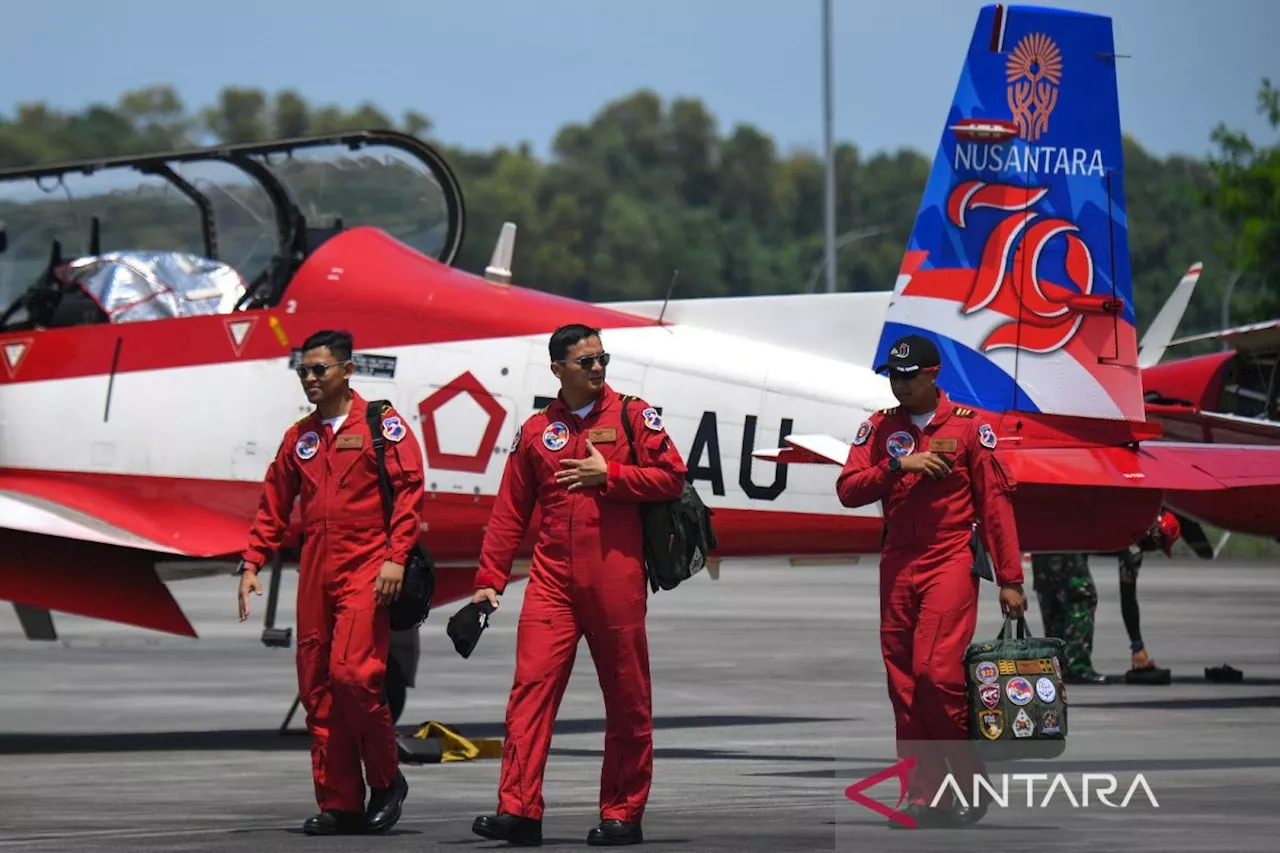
(645, 188)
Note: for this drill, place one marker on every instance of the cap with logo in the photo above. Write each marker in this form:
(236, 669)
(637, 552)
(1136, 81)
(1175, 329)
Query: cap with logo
(910, 355)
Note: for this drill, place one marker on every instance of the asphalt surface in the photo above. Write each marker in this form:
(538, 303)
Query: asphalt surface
(769, 700)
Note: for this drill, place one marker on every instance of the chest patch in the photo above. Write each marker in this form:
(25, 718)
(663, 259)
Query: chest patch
(602, 435)
(349, 441)
(307, 445)
(555, 436)
(900, 443)
(943, 445)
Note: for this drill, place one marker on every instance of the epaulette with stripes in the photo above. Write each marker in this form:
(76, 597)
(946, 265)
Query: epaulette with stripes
(892, 411)
(962, 412)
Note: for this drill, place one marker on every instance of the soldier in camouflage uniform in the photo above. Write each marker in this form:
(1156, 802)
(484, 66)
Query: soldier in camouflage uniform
(1068, 602)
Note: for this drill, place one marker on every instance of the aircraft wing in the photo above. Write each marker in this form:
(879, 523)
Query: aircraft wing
(1259, 428)
(84, 510)
(1253, 337)
(1170, 466)
(82, 547)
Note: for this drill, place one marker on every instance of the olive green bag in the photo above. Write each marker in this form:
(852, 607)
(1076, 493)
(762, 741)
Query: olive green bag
(1016, 691)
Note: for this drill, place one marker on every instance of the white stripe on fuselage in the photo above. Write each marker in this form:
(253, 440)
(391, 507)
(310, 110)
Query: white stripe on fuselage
(224, 421)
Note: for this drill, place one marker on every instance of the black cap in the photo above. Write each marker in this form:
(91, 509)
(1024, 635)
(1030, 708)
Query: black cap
(467, 625)
(911, 354)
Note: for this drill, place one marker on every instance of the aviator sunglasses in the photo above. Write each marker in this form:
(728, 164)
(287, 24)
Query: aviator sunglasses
(587, 361)
(316, 370)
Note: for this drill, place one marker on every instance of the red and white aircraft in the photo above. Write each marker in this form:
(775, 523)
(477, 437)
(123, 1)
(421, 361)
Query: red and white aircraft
(143, 392)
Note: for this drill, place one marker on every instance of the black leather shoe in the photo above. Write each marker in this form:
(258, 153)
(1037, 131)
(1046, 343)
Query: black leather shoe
(615, 833)
(1089, 677)
(335, 823)
(385, 803)
(513, 829)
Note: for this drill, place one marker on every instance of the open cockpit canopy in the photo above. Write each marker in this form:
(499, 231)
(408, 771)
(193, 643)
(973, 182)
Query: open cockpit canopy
(208, 230)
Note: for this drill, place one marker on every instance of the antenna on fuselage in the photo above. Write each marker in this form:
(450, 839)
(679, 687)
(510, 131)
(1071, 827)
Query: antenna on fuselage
(670, 287)
(499, 269)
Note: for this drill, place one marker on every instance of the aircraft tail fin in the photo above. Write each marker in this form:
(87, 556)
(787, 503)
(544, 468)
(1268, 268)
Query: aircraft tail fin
(1018, 264)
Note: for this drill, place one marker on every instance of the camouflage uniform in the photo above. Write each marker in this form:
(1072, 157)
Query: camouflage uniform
(1068, 601)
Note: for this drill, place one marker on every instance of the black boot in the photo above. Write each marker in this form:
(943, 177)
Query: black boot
(384, 805)
(1086, 677)
(615, 833)
(513, 829)
(334, 823)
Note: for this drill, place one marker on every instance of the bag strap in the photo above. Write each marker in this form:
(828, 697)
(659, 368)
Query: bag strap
(1024, 632)
(626, 427)
(373, 417)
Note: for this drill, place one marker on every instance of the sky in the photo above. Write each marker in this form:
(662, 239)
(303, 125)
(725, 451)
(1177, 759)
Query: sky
(503, 72)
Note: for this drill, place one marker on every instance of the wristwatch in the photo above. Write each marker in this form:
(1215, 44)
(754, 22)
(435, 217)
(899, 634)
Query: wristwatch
(895, 464)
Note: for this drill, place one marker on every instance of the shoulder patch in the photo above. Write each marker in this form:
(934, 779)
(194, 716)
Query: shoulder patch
(392, 427)
(515, 442)
(987, 437)
(864, 432)
(962, 412)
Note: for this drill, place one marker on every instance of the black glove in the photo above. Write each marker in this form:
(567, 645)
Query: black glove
(466, 626)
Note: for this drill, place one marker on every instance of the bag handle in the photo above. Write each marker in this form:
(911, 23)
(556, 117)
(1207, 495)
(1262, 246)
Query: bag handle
(1024, 632)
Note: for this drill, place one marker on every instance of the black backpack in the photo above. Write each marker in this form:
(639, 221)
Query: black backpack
(419, 586)
(678, 537)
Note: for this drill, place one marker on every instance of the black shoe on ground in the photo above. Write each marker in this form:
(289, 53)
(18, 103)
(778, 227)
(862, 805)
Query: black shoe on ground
(1148, 675)
(385, 803)
(615, 833)
(1087, 677)
(335, 823)
(513, 829)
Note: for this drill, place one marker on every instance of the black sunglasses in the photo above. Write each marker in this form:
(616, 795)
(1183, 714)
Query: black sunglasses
(316, 370)
(587, 361)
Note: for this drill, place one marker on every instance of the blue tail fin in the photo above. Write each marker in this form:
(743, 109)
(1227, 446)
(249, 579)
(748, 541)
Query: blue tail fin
(1018, 264)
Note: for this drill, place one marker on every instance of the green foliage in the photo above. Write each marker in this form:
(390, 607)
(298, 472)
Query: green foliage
(644, 188)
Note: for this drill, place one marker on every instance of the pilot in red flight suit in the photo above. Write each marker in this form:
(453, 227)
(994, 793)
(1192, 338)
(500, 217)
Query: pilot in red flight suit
(349, 568)
(572, 461)
(933, 466)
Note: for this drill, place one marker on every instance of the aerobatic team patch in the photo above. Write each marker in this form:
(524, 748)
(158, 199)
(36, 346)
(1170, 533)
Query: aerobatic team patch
(1018, 690)
(987, 437)
(864, 432)
(990, 695)
(307, 445)
(900, 443)
(392, 428)
(652, 419)
(986, 672)
(555, 436)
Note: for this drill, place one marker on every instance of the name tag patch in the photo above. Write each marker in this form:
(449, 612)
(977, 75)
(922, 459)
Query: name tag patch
(602, 435)
(349, 441)
(943, 445)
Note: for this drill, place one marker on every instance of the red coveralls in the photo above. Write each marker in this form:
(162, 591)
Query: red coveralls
(587, 577)
(928, 593)
(343, 634)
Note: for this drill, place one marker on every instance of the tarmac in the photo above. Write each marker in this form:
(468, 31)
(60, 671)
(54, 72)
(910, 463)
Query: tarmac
(769, 701)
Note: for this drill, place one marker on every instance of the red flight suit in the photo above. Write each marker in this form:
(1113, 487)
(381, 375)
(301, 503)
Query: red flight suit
(587, 577)
(343, 634)
(928, 593)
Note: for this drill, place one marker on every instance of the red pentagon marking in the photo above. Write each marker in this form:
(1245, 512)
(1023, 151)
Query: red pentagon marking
(464, 384)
